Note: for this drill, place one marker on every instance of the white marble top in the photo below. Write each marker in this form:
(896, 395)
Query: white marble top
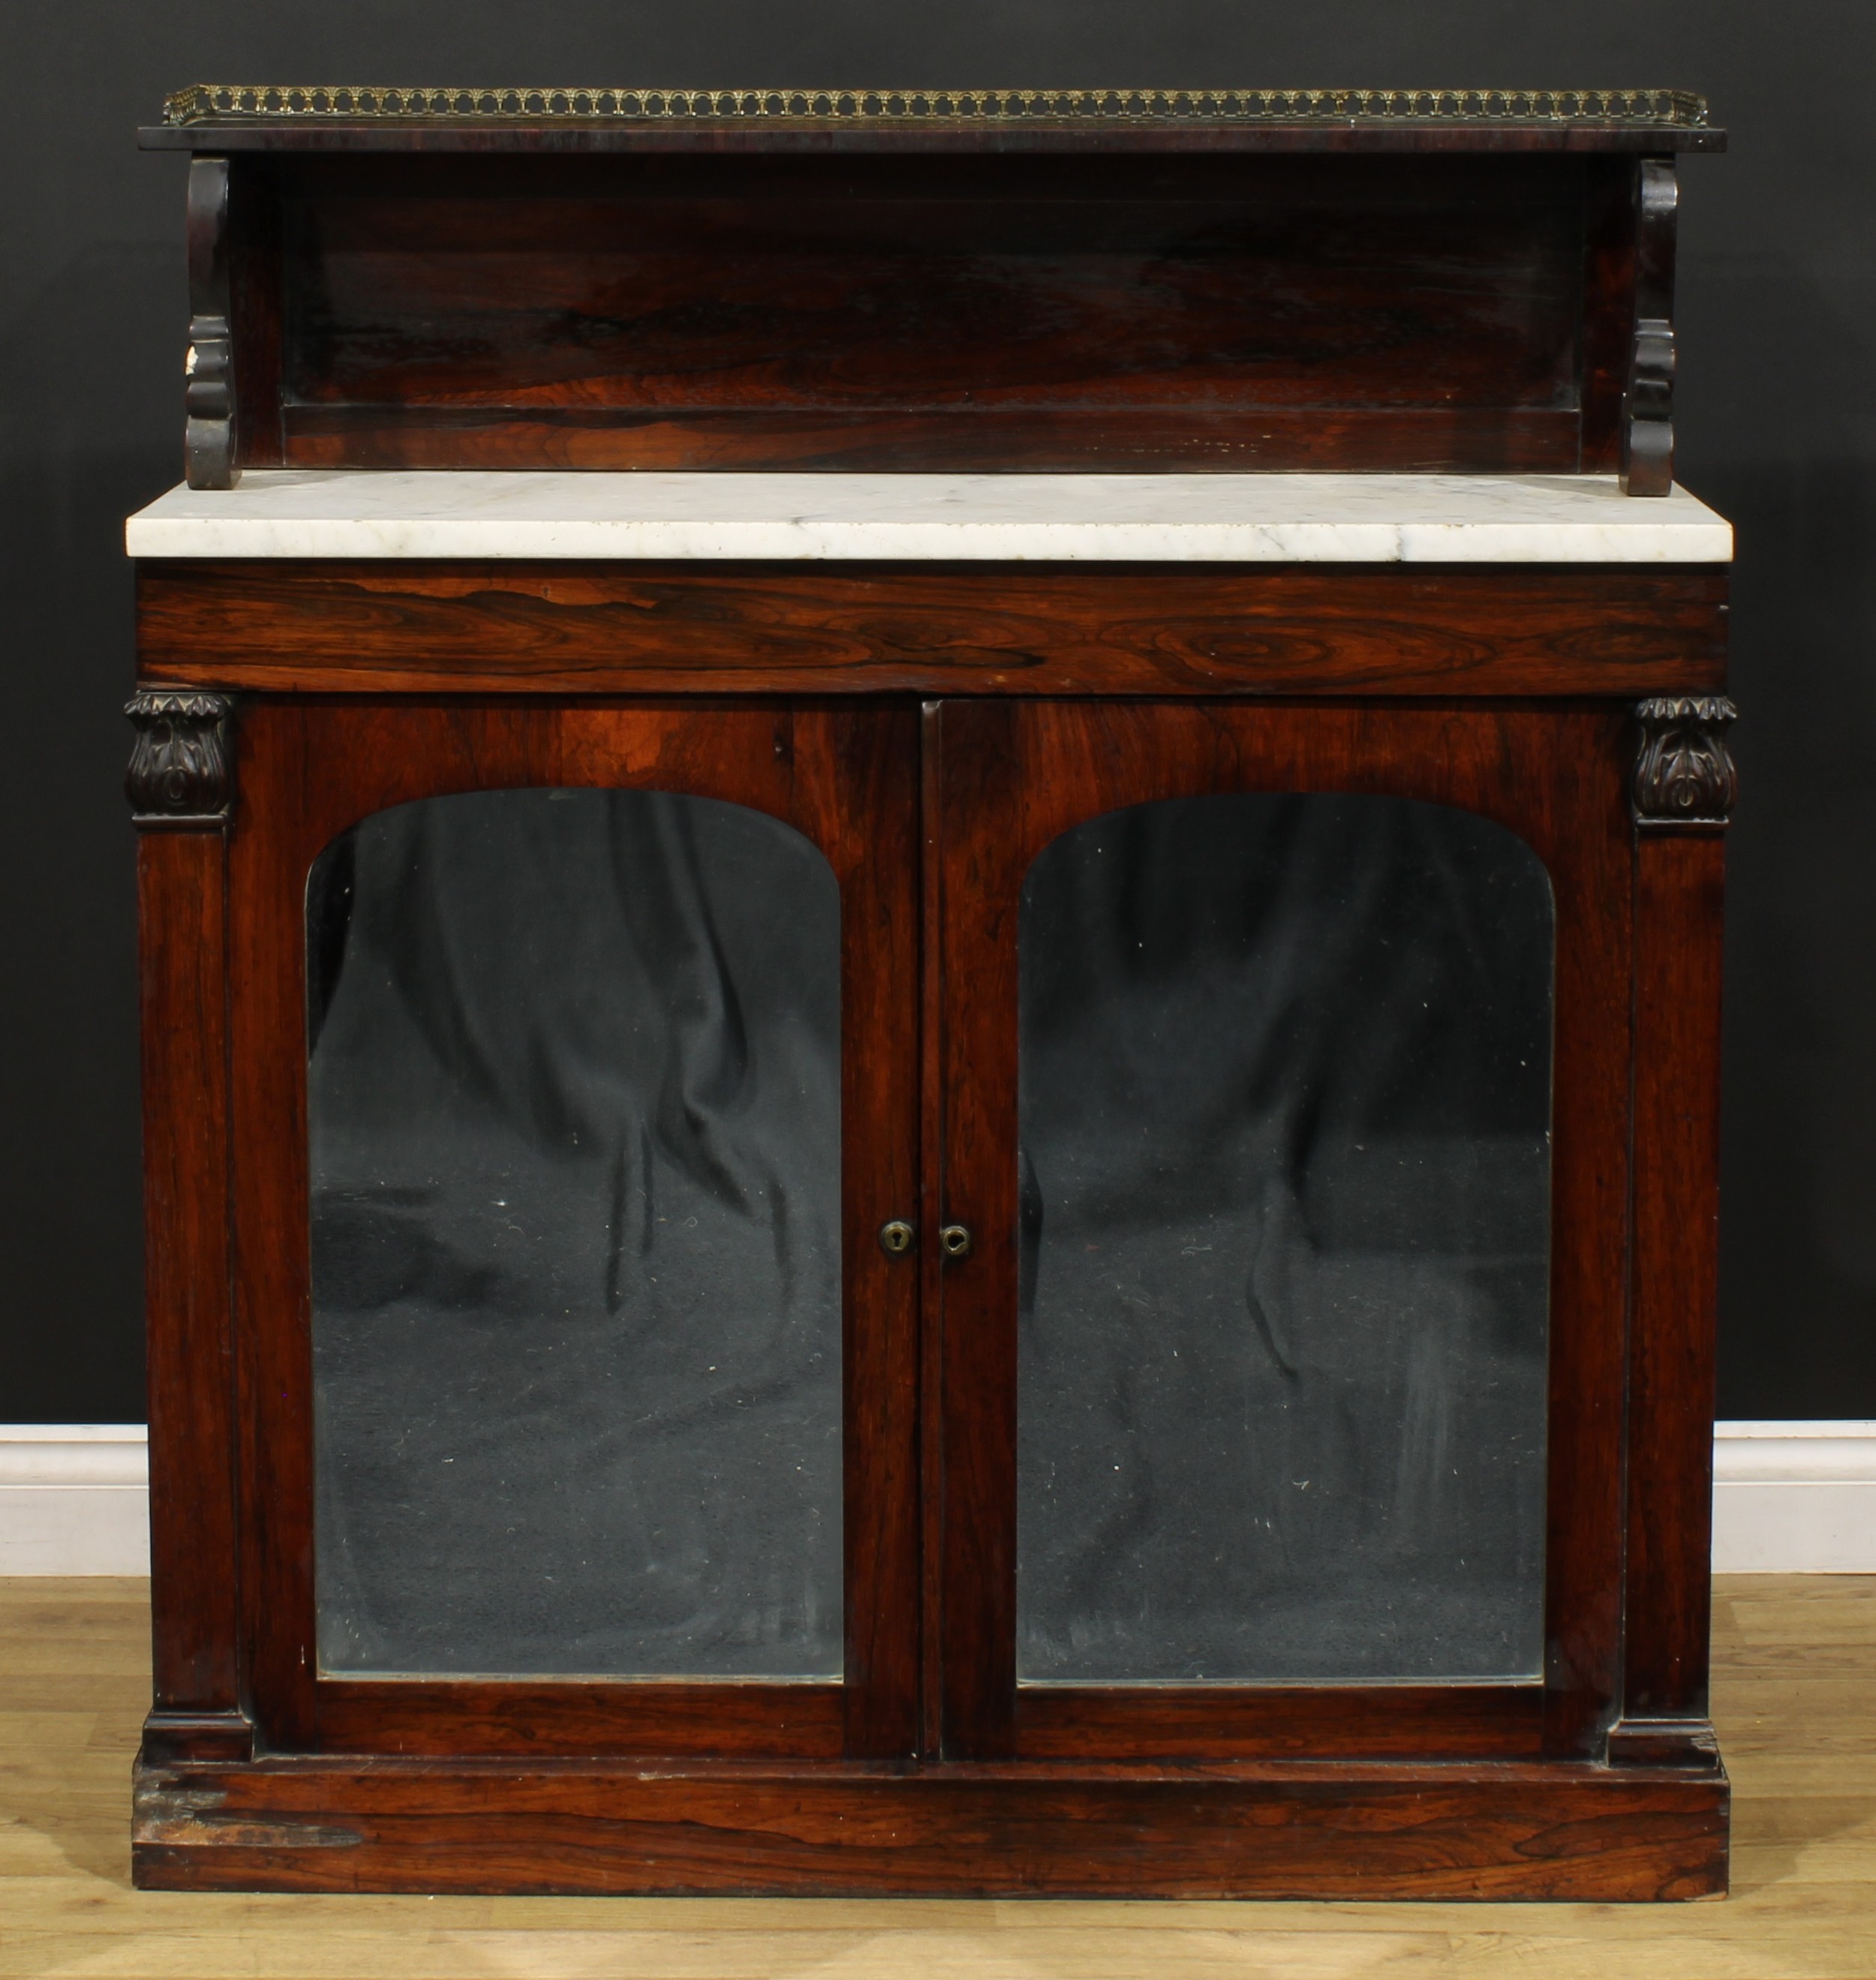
(1158, 518)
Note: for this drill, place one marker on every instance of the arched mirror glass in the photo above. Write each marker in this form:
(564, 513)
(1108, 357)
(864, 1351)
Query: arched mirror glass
(1286, 1179)
(574, 1108)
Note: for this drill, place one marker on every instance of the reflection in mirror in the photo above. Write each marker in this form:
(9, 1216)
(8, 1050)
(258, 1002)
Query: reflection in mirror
(1285, 1107)
(574, 1116)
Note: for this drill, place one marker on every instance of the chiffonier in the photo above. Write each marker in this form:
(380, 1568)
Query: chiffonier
(930, 891)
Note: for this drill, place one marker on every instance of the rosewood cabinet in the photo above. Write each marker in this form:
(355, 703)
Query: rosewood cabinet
(964, 1142)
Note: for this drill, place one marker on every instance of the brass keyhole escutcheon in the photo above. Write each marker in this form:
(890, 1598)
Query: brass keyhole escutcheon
(954, 1241)
(897, 1237)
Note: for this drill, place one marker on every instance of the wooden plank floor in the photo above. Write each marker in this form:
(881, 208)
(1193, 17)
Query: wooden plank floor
(1795, 1699)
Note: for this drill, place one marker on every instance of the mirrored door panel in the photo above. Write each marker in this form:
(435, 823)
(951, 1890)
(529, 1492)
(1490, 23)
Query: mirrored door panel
(1284, 1213)
(575, 1124)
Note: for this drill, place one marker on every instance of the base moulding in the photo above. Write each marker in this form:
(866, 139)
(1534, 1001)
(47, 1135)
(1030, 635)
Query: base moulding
(1559, 1830)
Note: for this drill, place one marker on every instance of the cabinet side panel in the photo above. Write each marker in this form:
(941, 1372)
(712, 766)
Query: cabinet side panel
(1678, 882)
(181, 904)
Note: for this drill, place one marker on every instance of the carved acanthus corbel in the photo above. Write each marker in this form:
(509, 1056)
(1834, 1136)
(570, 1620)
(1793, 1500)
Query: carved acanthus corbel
(181, 764)
(1684, 777)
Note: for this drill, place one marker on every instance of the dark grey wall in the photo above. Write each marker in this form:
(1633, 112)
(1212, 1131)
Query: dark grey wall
(1779, 420)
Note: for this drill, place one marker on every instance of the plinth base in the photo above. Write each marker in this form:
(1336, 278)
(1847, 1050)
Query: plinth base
(1541, 1830)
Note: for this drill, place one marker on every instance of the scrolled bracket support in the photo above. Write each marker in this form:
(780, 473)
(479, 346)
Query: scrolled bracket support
(182, 760)
(1685, 778)
(210, 423)
(1647, 408)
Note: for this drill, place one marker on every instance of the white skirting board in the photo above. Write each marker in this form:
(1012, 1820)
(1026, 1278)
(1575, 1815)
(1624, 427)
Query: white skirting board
(1796, 1497)
(75, 1499)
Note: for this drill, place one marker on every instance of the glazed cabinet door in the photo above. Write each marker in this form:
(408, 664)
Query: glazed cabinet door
(1280, 1047)
(575, 1085)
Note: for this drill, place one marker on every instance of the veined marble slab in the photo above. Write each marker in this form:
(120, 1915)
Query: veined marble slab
(1056, 518)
